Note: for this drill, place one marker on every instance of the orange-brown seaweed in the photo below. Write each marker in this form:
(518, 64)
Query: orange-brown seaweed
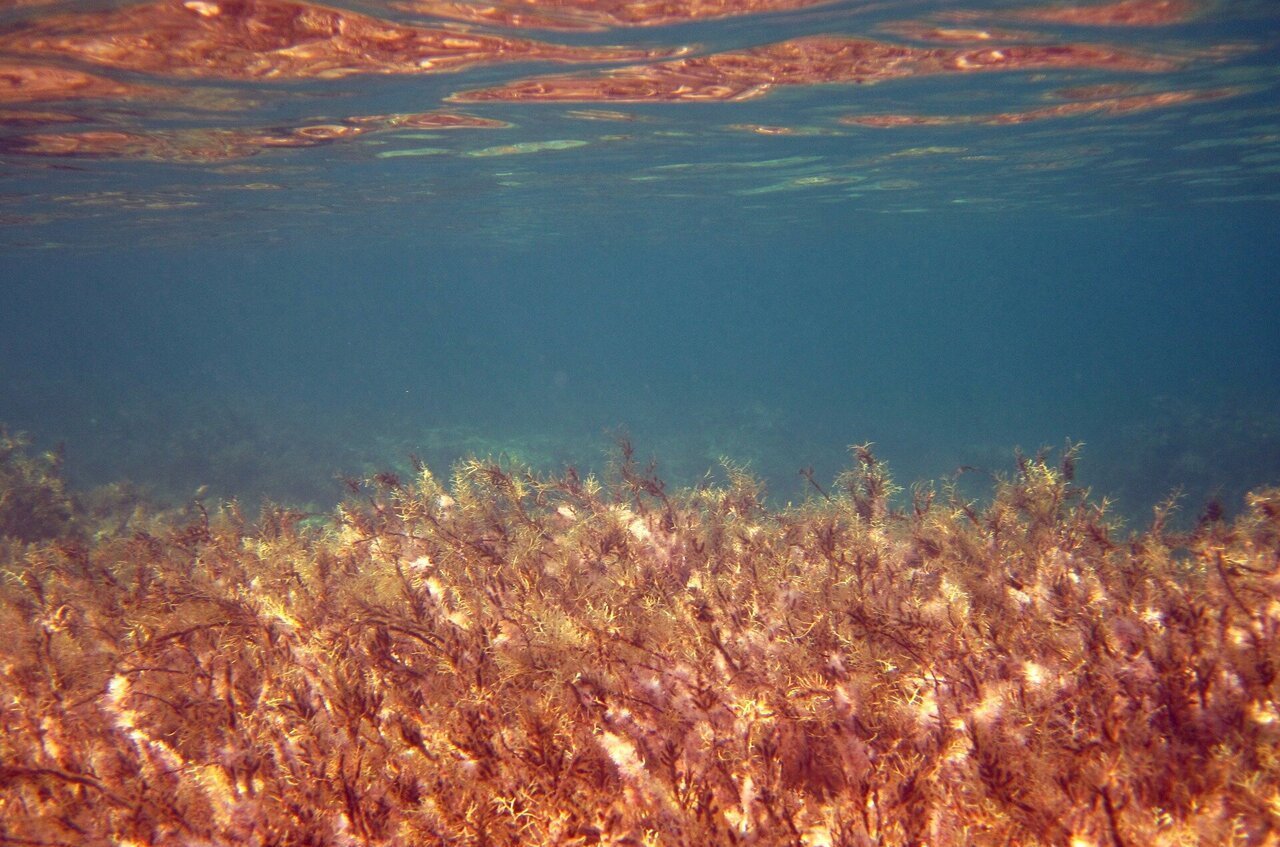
(596, 15)
(212, 144)
(1103, 105)
(518, 660)
(36, 117)
(745, 74)
(23, 82)
(1120, 13)
(275, 39)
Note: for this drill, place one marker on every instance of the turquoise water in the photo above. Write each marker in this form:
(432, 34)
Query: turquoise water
(258, 262)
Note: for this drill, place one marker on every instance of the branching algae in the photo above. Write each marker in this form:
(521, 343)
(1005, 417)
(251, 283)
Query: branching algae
(519, 659)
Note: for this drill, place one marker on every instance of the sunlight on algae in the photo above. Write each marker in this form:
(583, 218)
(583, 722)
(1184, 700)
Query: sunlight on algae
(519, 659)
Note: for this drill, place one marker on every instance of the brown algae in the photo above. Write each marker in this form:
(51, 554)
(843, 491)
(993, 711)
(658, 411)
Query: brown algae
(521, 659)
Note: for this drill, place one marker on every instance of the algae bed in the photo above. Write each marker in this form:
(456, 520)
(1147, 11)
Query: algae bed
(512, 658)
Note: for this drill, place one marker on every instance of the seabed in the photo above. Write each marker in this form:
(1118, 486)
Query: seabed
(514, 658)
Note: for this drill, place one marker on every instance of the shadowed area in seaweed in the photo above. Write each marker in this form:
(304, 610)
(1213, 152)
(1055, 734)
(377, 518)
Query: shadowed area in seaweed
(512, 658)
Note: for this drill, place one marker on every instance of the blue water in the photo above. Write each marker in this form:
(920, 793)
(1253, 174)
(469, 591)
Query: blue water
(265, 324)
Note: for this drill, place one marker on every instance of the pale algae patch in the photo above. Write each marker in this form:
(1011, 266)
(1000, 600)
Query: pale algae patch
(892, 185)
(788, 162)
(801, 183)
(911, 152)
(528, 147)
(413, 151)
(806, 172)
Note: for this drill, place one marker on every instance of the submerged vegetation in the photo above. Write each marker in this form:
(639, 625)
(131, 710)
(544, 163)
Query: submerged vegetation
(519, 659)
(34, 503)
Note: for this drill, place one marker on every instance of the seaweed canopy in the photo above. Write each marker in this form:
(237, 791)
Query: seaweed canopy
(516, 659)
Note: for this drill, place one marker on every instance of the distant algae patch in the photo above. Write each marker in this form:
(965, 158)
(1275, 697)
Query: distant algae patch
(518, 659)
(34, 503)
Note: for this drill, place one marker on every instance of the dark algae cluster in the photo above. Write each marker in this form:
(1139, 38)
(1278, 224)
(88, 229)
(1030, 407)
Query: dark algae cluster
(512, 658)
(34, 502)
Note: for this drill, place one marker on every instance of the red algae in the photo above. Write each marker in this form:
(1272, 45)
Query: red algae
(595, 16)
(36, 117)
(22, 82)
(190, 145)
(507, 16)
(1109, 105)
(276, 39)
(746, 74)
(1122, 13)
(218, 144)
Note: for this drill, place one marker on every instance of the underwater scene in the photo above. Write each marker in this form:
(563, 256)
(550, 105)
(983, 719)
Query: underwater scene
(795, 423)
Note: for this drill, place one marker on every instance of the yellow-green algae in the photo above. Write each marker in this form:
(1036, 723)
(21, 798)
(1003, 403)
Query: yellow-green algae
(517, 659)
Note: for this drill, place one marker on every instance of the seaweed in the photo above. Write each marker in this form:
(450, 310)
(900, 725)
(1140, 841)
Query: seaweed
(516, 658)
(34, 503)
